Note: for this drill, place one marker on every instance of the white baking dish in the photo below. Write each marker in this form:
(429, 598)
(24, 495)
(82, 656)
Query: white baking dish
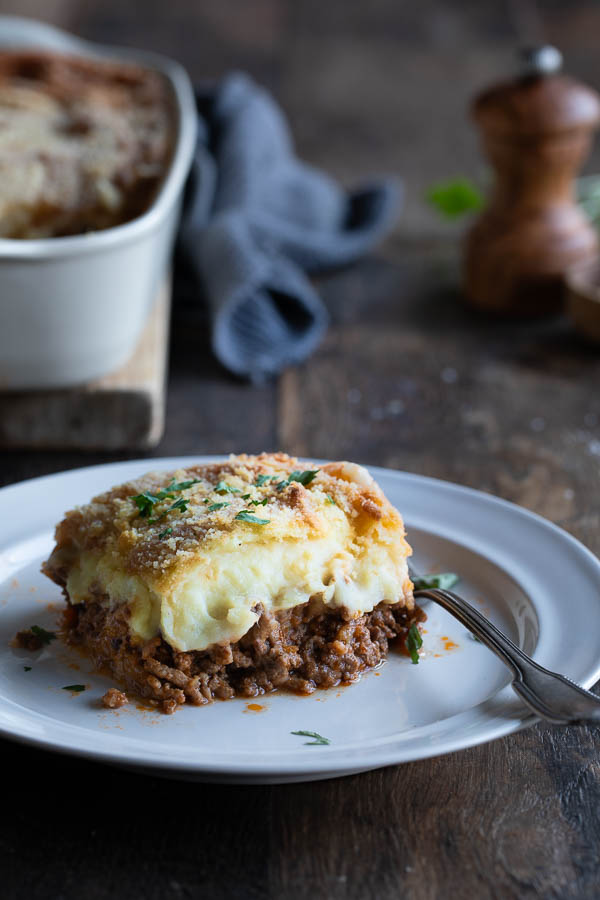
(73, 308)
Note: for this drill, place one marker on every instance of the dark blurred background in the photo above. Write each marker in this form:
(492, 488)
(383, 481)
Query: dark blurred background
(378, 86)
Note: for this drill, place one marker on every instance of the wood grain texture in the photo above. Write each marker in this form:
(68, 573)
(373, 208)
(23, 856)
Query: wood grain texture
(406, 377)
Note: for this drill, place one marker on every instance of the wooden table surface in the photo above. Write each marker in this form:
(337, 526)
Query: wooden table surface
(406, 378)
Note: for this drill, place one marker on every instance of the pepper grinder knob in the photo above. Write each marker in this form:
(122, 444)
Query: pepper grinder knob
(536, 131)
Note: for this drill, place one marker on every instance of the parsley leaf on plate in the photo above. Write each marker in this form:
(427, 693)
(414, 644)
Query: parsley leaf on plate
(443, 580)
(414, 642)
(76, 688)
(46, 637)
(318, 738)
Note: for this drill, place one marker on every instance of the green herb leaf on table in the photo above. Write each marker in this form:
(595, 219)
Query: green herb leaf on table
(455, 197)
(414, 642)
(318, 738)
(46, 637)
(75, 688)
(215, 506)
(247, 515)
(442, 580)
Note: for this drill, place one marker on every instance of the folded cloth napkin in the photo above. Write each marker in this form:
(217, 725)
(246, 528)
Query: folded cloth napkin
(257, 219)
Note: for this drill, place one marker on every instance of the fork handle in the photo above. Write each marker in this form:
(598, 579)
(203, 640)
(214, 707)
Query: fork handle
(548, 694)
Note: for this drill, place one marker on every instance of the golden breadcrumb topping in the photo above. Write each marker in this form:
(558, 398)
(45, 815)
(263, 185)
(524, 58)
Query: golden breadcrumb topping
(168, 519)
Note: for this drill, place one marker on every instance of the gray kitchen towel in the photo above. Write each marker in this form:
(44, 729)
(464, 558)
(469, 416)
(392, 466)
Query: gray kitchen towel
(257, 219)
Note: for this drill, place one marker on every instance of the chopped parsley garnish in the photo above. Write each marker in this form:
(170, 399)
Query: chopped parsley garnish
(181, 503)
(262, 502)
(46, 637)
(414, 642)
(318, 738)
(262, 479)
(215, 506)
(245, 496)
(330, 499)
(166, 532)
(304, 478)
(27, 668)
(76, 688)
(247, 516)
(182, 485)
(443, 580)
(223, 487)
(146, 501)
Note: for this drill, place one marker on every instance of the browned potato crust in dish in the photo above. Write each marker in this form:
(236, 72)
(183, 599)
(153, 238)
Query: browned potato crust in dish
(84, 143)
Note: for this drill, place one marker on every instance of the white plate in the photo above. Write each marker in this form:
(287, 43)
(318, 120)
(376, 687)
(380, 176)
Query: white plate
(533, 580)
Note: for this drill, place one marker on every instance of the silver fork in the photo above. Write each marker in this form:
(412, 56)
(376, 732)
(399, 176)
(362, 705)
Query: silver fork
(548, 694)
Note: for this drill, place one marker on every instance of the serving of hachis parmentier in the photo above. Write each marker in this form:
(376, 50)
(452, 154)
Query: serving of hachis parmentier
(235, 578)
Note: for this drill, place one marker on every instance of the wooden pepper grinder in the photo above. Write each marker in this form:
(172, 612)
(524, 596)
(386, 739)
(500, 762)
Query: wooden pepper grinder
(536, 132)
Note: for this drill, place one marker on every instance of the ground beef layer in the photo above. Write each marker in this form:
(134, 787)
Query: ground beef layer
(298, 649)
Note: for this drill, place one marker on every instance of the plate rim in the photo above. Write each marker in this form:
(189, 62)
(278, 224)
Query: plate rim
(311, 767)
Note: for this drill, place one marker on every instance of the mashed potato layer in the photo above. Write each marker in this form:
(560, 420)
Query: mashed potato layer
(194, 553)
